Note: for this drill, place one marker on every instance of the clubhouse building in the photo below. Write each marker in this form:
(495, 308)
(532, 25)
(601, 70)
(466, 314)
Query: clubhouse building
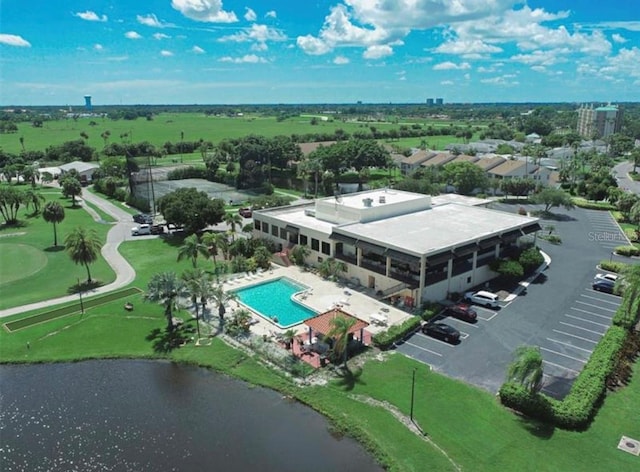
(399, 244)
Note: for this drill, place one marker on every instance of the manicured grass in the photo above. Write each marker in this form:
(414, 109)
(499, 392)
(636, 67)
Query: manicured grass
(59, 275)
(29, 259)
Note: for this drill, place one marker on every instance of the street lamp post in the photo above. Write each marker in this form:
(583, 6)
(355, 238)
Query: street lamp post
(413, 389)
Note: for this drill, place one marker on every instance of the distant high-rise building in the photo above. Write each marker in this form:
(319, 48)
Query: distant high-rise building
(599, 122)
(439, 101)
(87, 103)
(430, 102)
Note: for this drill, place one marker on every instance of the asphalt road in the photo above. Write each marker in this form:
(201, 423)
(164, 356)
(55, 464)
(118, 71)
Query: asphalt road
(621, 172)
(559, 312)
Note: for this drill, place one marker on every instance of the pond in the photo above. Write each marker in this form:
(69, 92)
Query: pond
(148, 416)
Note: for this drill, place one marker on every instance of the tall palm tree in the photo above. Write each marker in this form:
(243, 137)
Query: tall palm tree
(34, 199)
(220, 297)
(527, 368)
(214, 243)
(191, 248)
(233, 220)
(199, 286)
(53, 213)
(340, 327)
(166, 288)
(83, 246)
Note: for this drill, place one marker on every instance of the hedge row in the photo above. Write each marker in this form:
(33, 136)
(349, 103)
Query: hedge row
(627, 251)
(578, 408)
(611, 266)
(628, 313)
(385, 339)
(581, 203)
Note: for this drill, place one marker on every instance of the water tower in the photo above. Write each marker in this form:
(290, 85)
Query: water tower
(87, 103)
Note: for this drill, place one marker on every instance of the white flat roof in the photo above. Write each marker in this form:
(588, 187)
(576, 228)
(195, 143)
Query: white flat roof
(390, 196)
(445, 198)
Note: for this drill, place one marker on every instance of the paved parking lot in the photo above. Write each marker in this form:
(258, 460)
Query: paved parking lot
(559, 312)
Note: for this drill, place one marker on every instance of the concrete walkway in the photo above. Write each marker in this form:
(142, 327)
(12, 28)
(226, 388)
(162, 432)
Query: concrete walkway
(120, 231)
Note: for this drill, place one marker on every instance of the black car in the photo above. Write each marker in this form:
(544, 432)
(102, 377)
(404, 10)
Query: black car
(602, 285)
(442, 331)
(143, 218)
(462, 311)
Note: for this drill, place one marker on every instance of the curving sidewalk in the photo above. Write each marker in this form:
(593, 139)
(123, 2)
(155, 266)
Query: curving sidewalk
(124, 272)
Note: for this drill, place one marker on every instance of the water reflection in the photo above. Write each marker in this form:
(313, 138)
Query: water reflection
(148, 416)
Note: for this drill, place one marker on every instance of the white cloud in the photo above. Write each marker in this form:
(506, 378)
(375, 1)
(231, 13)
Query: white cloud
(270, 14)
(152, 20)
(249, 58)
(542, 58)
(249, 14)
(90, 16)
(210, 11)
(502, 80)
(14, 40)
(626, 25)
(448, 65)
(340, 60)
(165, 53)
(160, 36)
(467, 47)
(259, 47)
(446, 82)
(312, 45)
(377, 51)
(132, 35)
(258, 33)
(197, 50)
(618, 38)
(98, 47)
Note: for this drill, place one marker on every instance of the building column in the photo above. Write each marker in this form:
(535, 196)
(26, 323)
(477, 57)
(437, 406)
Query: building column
(358, 256)
(388, 267)
(423, 270)
(449, 272)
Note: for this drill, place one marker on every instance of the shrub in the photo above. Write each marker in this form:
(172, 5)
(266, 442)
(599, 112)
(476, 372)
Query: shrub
(628, 313)
(531, 259)
(510, 269)
(532, 404)
(611, 266)
(582, 203)
(430, 310)
(385, 339)
(554, 239)
(187, 173)
(627, 251)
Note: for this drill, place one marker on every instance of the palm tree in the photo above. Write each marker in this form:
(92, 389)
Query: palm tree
(199, 286)
(233, 220)
(287, 337)
(191, 248)
(166, 288)
(527, 369)
(83, 246)
(215, 242)
(299, 254)
(33, 198)
(53, 213)
(340, 327)
(220, 297)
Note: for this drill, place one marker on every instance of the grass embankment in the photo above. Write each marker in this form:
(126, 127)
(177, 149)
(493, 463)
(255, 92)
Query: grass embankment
(468, 424)
(169, 126)
(32, 269)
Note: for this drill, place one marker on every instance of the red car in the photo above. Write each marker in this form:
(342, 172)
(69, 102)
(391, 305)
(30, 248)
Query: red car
(245, 212)
(462, 311)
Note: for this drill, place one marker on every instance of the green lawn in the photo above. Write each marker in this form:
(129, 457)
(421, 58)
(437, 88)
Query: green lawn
(168, 127)
(38, 271)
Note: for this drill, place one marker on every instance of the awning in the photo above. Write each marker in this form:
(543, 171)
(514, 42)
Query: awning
(292, 229)
(532, 228)
(401, 256)
(370, 247)
(489, 242)
(465, 250)
(511, 235)
(343, 238)
(439, 258)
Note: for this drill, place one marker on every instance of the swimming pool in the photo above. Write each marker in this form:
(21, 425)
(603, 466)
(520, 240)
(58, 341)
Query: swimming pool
(273, 299)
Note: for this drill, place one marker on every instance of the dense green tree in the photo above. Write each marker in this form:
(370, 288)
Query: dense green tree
(166, 288)
(71, 187)
(53, 213)
(517, 187)
(466, 177)
(83, 246)
(190, 208)
(552, 197)
(526, 369)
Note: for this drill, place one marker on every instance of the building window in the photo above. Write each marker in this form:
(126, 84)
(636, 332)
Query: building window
(257, 225)
(274, 230)
(303, 240)
(315, 244)
(283, 233)
(265, 227)
(326, 248)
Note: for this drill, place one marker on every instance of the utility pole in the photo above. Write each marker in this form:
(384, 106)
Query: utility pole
(413, 389)
(80, 295)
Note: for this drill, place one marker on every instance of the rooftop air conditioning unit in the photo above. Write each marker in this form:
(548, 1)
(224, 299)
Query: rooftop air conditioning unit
(382, 199)
(367, 202)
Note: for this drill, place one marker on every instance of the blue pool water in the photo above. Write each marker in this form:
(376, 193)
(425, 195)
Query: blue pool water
(273, 298)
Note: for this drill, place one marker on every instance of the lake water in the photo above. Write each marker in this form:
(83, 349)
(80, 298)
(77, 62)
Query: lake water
(158, 416)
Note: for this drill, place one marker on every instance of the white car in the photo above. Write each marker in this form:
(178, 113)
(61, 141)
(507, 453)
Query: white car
(610, 277)
(141, 230)
(483, 298)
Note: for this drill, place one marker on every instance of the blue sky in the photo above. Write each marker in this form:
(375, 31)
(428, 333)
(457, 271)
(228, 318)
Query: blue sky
(318, 51)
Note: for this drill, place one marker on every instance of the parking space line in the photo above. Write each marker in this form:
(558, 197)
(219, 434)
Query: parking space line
(587, 321)
(575, 336)
(595, 306)
(423, 348)
(600, 300)
(580, 327)
(464, 335)
(560, 366)
(591, 313)
(570, 345)
(563, 355)
(605, 294)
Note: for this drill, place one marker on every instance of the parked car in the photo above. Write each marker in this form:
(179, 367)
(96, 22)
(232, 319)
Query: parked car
(610, 277)
(483, 298)
(603, 285)
(157, 229)
(245, 212)
(143, 218)
(463, 312)
(141, 230)
(442, 331)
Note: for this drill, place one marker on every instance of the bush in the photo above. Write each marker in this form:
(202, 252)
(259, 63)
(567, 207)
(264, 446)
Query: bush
(531, 259)
(385, 339)
(628, 313)
(582, 203)
(611, 266)
(627, 251)
(430, 310)
(510, 269)
(187, 173)
(531, 404)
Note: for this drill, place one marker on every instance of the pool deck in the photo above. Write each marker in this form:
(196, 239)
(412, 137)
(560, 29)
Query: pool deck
(323, 296)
